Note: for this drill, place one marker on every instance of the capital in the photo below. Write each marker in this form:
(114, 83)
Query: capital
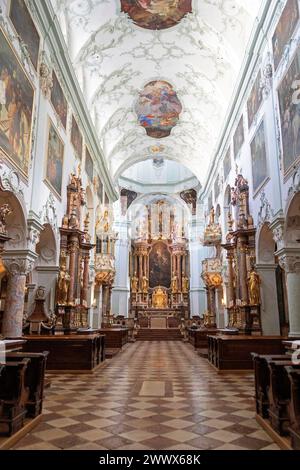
(19, 262)
(290, 261)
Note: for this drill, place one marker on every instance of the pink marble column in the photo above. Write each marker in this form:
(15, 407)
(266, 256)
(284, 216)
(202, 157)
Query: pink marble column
(17, 269)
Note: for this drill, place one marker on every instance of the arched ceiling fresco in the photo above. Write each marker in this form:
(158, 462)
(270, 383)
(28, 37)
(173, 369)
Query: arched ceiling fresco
(196, 47)
(156, 14)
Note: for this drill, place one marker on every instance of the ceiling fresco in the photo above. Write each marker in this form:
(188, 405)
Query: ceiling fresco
(156, 14)
(158, 109)
(200, 56)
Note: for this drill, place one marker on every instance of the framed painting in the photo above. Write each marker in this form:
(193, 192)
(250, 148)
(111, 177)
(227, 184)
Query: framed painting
(76, 139)
(54, 160)
(59, 101)
(25, 28)
(160, 266)
(100, 189)
(16, 108)
(210, 201)
(217, 187)
(89, 164)
(255, 100)
(259, 159)
(227, 165)
(239, 137)
(289, 108)
(284, 30)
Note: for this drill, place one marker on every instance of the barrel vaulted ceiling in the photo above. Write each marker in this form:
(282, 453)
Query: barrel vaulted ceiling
(189, 51)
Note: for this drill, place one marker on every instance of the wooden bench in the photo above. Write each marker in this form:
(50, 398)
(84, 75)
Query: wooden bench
(34, 379)
(13, 396)
(69, 352)
(234, 352)
(294, 427)
(262, 381)
(279, 396)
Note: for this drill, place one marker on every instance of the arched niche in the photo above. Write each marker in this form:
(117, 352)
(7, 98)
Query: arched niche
(265, 245)
(292, 227)
(46, 268)
(16, 224)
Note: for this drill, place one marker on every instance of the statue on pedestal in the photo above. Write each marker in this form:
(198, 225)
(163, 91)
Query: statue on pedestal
(185, 285)
(5, 210)
(145, 285)
(63, 285)
(134, 284)
(174, 284)
(254, 287)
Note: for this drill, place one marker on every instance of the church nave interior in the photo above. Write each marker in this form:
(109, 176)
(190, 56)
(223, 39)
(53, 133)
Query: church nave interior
(149, 225)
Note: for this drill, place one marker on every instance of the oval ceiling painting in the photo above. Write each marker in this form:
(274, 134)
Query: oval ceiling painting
(158, 109)
(156, 14)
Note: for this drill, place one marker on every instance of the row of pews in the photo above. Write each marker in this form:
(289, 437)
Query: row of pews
(22, 380)
(277, 394)
(22, 377)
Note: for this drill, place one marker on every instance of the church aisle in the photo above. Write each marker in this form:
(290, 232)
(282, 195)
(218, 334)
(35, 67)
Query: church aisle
(154, 395)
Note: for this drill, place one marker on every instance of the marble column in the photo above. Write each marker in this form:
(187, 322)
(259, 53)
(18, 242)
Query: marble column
(85, 283)
(18, 265)
(290, 262)
(243, 272)
(230, 284)
(73, 250)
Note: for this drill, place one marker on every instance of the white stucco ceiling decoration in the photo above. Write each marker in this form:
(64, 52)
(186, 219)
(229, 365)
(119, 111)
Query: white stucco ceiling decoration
(200, 57)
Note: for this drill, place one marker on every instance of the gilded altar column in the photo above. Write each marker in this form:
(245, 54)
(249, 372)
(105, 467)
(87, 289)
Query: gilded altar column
(230, 284)
(73, 250)
(17, 266)
(290, 261)
(243, 272)
(179, 271)
(85, 284)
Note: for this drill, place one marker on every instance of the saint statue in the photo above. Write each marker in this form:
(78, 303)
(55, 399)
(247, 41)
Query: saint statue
(174, 284)
(185, 285)
(134, 284)
(212, 216)
(63, 285)
(5, 211)
(254, 287)
(145, 285)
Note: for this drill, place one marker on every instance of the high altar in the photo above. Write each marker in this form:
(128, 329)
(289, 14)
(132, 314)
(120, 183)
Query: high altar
(159, 269)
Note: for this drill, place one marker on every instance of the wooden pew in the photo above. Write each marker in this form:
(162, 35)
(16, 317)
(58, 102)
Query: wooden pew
(262, 381)
(34, 379)
(13, 395)
(279, 396)
(294, 428)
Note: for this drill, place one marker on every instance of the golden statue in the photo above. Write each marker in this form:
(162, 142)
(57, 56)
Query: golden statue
(185, 285)
(145, 285)
(160, 298)
(134, 284)
(254, 287)
(63, 285)
(174, 284)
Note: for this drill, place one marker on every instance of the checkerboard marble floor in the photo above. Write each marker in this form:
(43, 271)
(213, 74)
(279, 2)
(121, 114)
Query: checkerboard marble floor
(152, 396)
